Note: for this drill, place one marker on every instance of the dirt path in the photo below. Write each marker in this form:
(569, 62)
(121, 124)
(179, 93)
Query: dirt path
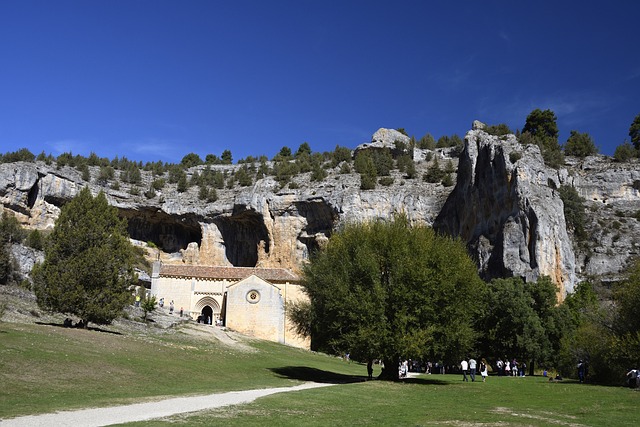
(147, 411)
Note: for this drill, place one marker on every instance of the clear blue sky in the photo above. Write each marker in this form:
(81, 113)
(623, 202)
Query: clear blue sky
(155, 80)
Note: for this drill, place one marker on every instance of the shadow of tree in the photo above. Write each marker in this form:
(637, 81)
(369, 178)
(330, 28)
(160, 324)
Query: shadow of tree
(305, 373)
(90, 328)
(425, 381)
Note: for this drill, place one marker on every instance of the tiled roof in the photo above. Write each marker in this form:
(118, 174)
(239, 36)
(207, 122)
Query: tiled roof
(230, 273)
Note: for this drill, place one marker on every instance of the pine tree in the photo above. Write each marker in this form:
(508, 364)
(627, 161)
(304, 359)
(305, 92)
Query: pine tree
(88, 265)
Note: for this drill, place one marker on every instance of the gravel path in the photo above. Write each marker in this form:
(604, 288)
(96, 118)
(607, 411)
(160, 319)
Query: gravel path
(147, 411)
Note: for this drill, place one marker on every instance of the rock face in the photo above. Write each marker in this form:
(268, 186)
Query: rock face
(505, 205)
(506, 208)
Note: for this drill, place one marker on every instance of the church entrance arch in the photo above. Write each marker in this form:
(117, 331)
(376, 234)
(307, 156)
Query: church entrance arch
(209, 310)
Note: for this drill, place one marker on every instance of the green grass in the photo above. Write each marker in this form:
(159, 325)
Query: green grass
(432, 400)
(46, 368)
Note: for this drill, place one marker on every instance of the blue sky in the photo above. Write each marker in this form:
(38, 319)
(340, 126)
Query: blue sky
(155, 80)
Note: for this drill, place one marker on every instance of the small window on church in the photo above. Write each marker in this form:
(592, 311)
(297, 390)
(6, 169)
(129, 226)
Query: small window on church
(253, 296)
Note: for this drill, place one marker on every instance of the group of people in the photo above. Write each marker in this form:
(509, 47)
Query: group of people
(470, 366)
(510, 368)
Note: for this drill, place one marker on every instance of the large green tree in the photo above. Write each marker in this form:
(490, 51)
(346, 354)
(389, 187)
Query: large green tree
(390, 290)
(88, 265)
(523, 321)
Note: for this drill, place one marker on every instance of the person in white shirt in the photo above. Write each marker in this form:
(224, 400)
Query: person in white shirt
(472, 368)
(464, 365)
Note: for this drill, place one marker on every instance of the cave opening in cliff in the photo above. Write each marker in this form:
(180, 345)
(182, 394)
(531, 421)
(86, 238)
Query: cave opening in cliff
(243, 232)
(320, 217)
(169, 233)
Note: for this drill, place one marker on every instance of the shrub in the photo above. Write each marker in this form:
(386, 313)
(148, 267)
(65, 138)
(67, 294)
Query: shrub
(498, 130)
(514, 156)
(580, 145)
(386, 181)
(573, 210)
(318, 174)
(447, 180)
(35, 240)
(624, 152)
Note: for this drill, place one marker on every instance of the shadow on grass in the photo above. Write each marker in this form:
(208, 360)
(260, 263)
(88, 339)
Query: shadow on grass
(58, 325)
(425, 381)
(305, 373)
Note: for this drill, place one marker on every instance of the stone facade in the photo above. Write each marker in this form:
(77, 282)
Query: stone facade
(251, 301)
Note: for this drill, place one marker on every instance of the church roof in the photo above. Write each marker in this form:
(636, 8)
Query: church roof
(230, 273)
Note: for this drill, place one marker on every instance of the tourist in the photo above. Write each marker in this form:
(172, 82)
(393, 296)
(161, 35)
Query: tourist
(507, 368)
(464, 365)
(472, 369)
(484, 370)
(500, 367)
(581, 369)
(171, 307)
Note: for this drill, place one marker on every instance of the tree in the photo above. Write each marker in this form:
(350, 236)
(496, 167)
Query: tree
(148, 305)
(388, 290)
(303, 149)
(365, 165)
(427, 142)
(624, 152)
(88, 265)
(498, 130)
(542, 127)
(634, 132)
(226, 157)
(573, 210)
(580, 145)
(522, 321)
(190, 160)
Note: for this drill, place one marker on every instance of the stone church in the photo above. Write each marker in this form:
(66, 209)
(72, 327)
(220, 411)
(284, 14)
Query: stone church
(248, 300)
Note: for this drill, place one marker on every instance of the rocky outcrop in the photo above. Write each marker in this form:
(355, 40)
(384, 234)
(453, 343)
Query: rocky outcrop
(612, 198)
(504, 207)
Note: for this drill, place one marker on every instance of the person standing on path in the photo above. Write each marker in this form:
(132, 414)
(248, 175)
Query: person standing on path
(464, 365)
(472, 368)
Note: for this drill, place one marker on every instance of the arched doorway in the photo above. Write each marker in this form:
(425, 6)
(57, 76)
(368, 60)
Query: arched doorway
(209, 308)
(207, 315)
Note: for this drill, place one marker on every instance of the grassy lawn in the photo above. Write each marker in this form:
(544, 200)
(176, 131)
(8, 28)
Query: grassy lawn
(44, 368)
(432, 400)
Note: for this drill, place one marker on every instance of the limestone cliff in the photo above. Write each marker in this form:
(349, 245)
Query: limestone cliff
(506, 208)
(508, 213)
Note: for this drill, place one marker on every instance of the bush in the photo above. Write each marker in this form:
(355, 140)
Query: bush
(447, 180)
(22, 155)
(318, 174)
(434, 173)
(624, 152)
(573, 210)
(35, 240)
(514, 156)
(580, 145)
(386, 181)
(498, 130)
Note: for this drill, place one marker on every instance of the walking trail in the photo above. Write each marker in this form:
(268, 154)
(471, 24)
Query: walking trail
(147, 411)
